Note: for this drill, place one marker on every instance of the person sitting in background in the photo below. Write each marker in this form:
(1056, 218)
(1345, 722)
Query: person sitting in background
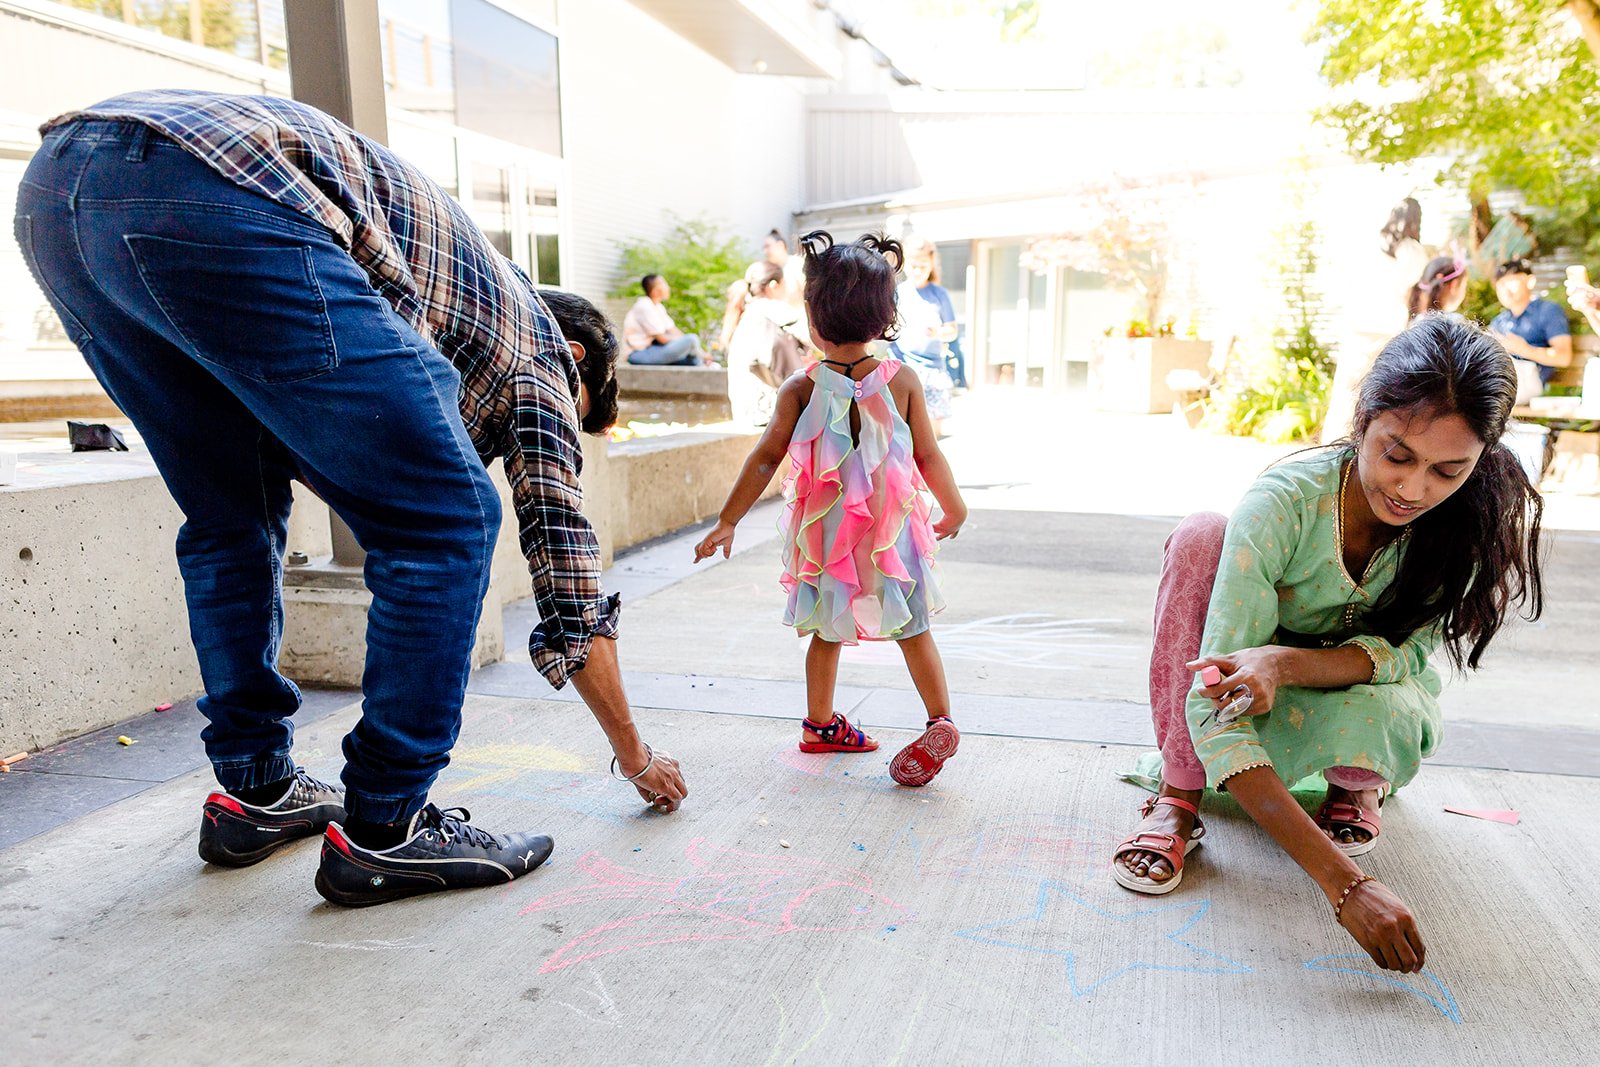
(653, 339)
(1532, 329)
(1443, 287)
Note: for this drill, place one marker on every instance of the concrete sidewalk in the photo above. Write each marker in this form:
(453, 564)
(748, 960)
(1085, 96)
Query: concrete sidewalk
(803, 909)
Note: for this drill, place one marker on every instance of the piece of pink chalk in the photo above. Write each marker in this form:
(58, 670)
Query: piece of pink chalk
(163, 707)
(1210, 676)
(1510, 818)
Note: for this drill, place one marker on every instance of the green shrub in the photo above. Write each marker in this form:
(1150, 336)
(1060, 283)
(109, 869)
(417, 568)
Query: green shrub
(699, 262)
(1285, 399)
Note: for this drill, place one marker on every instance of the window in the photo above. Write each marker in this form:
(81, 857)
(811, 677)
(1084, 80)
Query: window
(490, 206)
(248, 29)
(506, 77)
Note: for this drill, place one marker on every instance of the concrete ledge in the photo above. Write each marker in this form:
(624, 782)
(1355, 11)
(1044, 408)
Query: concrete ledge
(36, 401)
(634, 381)
(661, 484)
(95, 629)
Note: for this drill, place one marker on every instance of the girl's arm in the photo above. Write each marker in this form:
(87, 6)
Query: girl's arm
(759, 467)
(931, 462)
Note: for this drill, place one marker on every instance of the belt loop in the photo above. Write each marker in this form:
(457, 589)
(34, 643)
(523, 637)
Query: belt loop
(58, 137)
(141, 137)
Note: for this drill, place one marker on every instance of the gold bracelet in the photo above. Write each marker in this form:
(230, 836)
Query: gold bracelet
(1338, 909)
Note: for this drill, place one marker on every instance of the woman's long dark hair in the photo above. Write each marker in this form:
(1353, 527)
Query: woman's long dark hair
(1428, 294)
(1405, 224)
(1473, 559)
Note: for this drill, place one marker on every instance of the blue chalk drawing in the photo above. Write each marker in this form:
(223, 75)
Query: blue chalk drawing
(1444, 1001)
(1053, 894)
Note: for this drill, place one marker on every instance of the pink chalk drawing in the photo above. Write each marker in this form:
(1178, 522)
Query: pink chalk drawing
(730, 896)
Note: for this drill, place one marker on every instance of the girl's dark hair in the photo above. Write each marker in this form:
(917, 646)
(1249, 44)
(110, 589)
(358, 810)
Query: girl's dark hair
(1427, 295)
(1405, 221)
(850, 288)
(582, 322)
(1474, 558)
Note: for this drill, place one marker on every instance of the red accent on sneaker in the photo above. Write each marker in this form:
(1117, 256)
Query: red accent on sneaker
(225, 800)
(335, 836)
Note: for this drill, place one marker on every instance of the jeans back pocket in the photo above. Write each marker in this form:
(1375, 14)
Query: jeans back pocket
(255, 312)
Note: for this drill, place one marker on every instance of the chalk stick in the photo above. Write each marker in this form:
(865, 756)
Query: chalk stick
(1510, 818)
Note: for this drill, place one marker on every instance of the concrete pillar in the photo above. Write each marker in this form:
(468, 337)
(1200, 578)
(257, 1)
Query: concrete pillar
(336, 65)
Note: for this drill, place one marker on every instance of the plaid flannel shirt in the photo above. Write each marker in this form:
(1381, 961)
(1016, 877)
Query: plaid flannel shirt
(519, 382)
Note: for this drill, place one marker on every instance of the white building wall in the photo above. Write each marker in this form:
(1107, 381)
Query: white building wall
(653, 126)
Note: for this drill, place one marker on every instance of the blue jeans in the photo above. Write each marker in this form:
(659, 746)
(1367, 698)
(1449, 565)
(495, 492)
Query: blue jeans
(248, 347)
(679, 352)
(957, 361)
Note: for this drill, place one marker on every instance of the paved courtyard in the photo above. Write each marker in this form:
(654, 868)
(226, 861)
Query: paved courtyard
(803, 909)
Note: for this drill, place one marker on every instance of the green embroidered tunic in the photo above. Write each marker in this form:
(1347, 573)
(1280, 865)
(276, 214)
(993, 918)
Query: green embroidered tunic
(1282, 580)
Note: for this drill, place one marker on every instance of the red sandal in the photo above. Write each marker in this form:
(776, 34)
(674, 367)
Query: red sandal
(1168, 846)
(1336, 815)
(836, 736)
(920, 761)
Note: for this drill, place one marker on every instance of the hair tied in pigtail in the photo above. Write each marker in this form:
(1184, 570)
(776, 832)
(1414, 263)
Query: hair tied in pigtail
(887, 247)
(816, 244)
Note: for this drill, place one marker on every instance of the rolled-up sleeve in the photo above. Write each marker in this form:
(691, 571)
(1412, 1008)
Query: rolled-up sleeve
(543, 461)
(1243, 614)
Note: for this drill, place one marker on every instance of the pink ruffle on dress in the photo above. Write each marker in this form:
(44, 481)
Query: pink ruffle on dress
(858, 543)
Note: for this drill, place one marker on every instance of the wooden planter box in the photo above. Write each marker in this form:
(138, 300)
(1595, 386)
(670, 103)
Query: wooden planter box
(1130, 373)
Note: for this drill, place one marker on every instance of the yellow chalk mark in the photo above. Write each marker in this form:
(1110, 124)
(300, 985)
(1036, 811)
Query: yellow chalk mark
(490, 765)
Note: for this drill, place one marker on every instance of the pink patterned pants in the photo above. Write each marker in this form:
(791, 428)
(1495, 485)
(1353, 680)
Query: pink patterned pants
(1188, 571)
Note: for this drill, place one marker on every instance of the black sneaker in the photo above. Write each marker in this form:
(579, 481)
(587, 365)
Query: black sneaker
(236, 834)
(441, 852)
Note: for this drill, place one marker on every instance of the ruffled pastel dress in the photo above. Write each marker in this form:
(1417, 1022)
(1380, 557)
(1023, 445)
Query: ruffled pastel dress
(858, 542)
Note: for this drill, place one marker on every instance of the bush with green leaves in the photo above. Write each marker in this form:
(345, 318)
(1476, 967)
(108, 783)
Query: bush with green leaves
(699, 262)
(1284, 396)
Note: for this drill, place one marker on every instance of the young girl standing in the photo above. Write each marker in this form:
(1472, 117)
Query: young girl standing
(858, 538)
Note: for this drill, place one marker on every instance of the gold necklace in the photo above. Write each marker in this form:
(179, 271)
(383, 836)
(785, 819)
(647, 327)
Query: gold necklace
(1344, 484)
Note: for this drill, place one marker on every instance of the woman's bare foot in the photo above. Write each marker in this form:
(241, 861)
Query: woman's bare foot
(1365, 799)
(1163, 819)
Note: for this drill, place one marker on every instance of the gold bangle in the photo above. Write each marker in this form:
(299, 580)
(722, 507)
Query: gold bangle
(1338, 909)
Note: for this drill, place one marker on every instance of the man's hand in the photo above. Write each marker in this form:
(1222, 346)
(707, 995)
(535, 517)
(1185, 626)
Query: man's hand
(721, 536)
(662, 786)
(1514, 344)
(600, 685)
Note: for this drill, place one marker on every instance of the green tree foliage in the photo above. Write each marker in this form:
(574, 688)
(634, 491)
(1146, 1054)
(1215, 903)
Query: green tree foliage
(1507, 89)
(1287, 398)
(699, 262)
(1016, 19)
(228, 25)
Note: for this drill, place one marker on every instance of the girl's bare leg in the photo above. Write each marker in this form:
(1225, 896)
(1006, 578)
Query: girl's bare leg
(927, 672)
(822, 674)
